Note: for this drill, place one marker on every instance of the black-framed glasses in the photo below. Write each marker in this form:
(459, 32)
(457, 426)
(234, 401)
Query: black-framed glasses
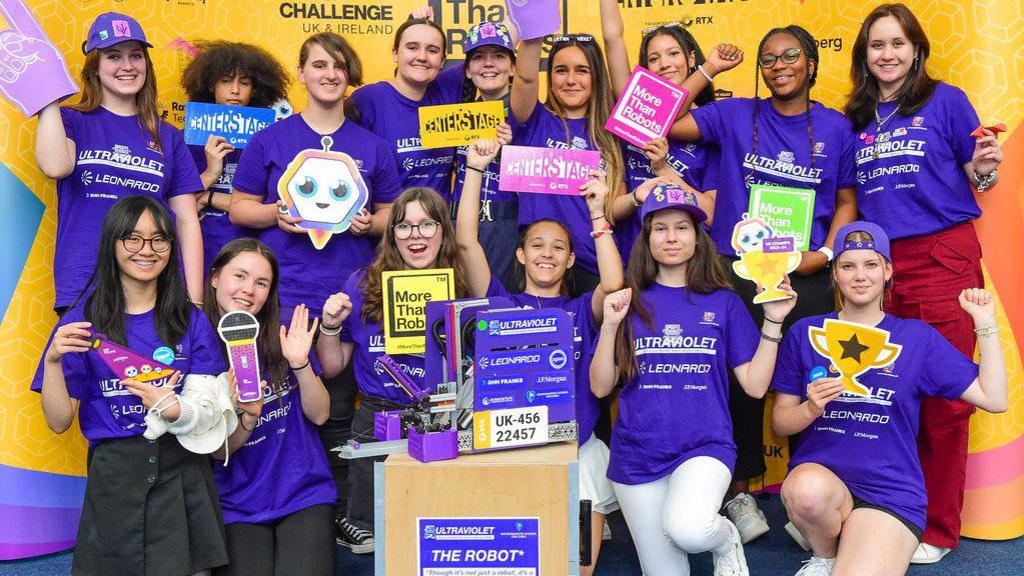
(135, 243)
(788, 56)
(572, 38)
(427, 229)
(678, 24)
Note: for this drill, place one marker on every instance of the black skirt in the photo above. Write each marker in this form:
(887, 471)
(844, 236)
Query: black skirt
(151, 508)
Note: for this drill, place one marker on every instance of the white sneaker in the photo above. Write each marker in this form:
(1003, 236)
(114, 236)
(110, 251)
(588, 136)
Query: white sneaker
(795, 534)
(817, 566)
(606, 532)
(733, 562)
(928, 554)
(749, 520)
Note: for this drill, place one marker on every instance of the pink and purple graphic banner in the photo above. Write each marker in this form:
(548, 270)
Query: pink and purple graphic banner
(546, 170)
(646, 109)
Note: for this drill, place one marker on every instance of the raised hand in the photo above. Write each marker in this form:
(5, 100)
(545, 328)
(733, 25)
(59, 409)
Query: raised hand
(779, 309)
(298, 338)
(480, 153)
(987, 154)
(71, 337)
(336, 309)
(979, 304)
(723, 57)
(594, 191)
(32, 71)
(657, 153)
(616, 306)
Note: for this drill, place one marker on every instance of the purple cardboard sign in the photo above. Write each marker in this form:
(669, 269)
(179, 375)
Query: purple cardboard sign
(33, 72)
(647, 108)
(127, 364)
(546, 170)
(534, 18)
(781, 244)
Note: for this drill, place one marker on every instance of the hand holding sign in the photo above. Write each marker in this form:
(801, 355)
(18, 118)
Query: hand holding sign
(32, 70)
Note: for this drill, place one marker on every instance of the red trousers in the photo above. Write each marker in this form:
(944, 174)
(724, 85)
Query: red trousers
(930, 272)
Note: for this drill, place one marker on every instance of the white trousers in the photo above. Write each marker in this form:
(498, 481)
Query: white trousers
(677, 515)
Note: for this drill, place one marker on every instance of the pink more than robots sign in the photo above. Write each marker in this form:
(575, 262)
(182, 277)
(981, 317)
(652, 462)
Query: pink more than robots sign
(647, 108)
(546, 170)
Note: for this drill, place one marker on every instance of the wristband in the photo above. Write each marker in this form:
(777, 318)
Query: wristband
(829, 255)
(632, 199)
(775, 339)
(596, 218)
(985, 182)
(330, 330)
(595, 234)
(705, 73)
(773, 321)
(987, 330)
(474, 169)
(241, 422)
(209, 199)
(300, 367)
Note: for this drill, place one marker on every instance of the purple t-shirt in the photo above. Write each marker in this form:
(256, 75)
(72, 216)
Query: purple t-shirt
(918, 185)
(107, 409)
(115, 157)
(588, 407)
(870, 443)
(690, 160)
(395, 119)
(544, 129)
(282, 468)
(309, 276)
(677, 406)
(368, 341)
(783, 158)
(217, 228)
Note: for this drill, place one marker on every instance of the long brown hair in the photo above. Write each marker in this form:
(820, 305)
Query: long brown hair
(416, 22)
(275, 369)
(145, 100)
(917, 87)
(389, 258)
(599, 109)
(704, 275)
(340, 50)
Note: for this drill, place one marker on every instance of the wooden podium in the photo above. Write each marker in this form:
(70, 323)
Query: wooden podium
(540, 482)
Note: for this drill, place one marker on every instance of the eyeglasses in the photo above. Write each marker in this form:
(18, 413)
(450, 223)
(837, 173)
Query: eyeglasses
(572, 38)
(427, 229)
(135, 243)
(652, 29)
(789, 56)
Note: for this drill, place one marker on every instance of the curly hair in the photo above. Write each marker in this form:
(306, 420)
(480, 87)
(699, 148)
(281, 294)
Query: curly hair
(218, 59)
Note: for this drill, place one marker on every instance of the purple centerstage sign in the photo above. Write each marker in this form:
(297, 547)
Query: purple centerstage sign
(478, 546)
(534, 18)
(647, 108)
(32, 71)
(546, 170)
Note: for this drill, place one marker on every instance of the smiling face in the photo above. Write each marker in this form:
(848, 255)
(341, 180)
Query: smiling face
(571, 80)
(323, 190)
(890, 54)
(749, 234)
(417, 251)
(419, 55)
(666, 58)
(145, 265)
(324, 76)
(233, 90)
(122, 70)
(673, 238)
(861, 276)
(786, 81)
(546, 255)
(243, 284)
(490, 67)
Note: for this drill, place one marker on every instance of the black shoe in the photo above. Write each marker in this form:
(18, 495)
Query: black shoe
(352, 537)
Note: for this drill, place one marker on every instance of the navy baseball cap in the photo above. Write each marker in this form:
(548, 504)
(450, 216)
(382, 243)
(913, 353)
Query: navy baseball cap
(110, 29)
(487, 34)
(665, 196)
(879, 239)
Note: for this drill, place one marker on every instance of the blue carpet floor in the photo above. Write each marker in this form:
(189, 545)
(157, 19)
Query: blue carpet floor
(771, 555)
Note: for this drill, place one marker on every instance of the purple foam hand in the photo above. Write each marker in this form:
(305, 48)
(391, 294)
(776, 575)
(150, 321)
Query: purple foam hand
(32, 71)
(534, 18)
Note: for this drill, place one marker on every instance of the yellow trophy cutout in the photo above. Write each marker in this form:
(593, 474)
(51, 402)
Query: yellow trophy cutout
(764, 258)
(853, 349)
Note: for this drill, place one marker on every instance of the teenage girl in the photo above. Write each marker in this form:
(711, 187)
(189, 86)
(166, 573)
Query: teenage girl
(545, 254)
(111, 145)
(855, 488)
(670, 338)
(418, 236)
(916, 164)
(150, 506)
(578, 104)
(277, 492)
(390, 108)
(235, 74)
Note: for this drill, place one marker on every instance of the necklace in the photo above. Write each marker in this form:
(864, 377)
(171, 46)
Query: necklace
(879, 122)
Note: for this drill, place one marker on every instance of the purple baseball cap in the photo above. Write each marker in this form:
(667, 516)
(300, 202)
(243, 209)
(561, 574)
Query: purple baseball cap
(879, 239)
(487, 34)
(110, 29)
(665, 196)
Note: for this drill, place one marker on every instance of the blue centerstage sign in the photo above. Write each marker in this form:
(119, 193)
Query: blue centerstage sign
(235, 123)
(478, 547)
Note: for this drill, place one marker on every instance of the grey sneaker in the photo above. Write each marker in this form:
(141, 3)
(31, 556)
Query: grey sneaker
(733, 562)
(749, 520)
(817, 566)
(352, 537)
